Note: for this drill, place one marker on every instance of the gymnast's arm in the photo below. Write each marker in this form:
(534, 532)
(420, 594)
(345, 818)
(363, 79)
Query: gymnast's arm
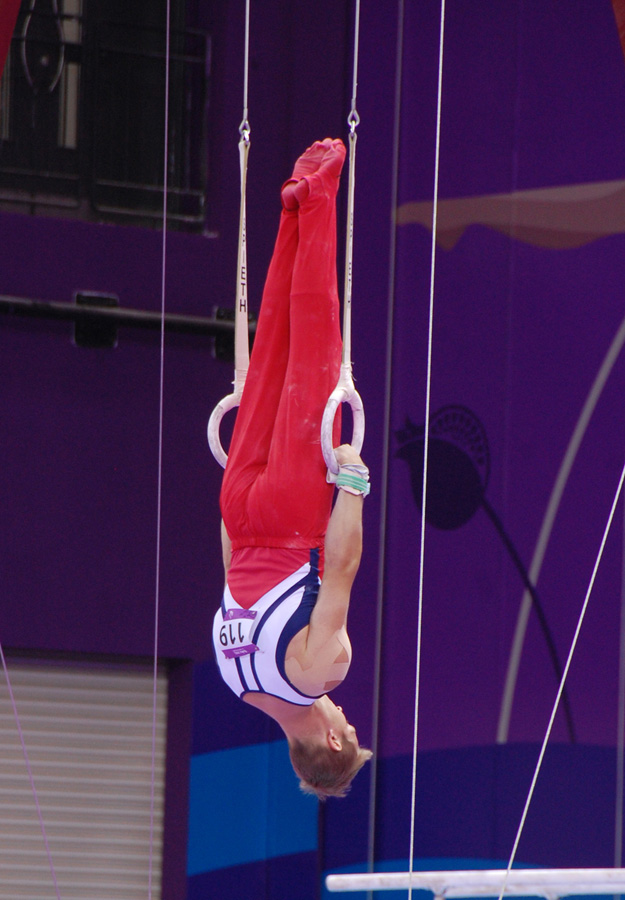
(226, 549)
(321, 658)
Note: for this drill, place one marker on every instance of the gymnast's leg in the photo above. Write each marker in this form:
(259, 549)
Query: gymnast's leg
(253, 430)
(290, 501)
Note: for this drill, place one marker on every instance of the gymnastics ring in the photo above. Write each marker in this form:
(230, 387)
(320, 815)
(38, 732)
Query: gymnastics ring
(214, 441)
(344, 392)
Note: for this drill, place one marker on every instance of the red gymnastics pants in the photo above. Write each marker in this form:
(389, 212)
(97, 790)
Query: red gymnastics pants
(274, 491)
(8, 15)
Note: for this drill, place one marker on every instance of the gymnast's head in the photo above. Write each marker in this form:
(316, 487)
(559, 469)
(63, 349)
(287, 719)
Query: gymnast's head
(327, 759)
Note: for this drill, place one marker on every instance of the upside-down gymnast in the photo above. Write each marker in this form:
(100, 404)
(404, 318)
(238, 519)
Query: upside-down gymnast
(280, 635)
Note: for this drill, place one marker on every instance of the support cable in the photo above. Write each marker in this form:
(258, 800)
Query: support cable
(160, 449)
(620, 731)
(562, 682)
(426, 438)
(386, 442)
(345, 391)
(244, 127)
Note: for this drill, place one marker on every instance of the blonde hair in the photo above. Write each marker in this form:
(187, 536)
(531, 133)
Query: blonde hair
(325, 772)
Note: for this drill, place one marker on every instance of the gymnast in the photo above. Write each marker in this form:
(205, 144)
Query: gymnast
(280, 635)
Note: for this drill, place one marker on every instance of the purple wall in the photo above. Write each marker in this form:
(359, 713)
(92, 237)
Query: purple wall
(81, 450)
(524, 317)
(521, 329)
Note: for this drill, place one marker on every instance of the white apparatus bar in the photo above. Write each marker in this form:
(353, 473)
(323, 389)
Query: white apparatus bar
(549, 883)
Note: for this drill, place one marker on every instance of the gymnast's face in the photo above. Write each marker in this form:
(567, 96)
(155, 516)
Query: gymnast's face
(344, 731)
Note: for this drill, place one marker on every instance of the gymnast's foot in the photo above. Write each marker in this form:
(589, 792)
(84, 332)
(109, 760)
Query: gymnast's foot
(325, 156)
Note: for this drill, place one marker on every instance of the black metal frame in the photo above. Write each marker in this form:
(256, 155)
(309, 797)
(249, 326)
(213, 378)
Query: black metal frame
(115, 171)
(218, 324)
(96, 322)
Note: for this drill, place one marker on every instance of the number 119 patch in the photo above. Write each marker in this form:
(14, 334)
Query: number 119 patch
(234, 634)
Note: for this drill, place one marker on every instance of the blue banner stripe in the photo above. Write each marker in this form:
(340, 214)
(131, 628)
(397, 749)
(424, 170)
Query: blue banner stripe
(245, 806)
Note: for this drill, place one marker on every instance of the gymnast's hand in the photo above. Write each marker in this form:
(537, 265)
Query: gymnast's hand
(346, 455)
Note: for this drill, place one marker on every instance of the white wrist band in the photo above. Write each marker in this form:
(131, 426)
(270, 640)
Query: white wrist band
(354, 479)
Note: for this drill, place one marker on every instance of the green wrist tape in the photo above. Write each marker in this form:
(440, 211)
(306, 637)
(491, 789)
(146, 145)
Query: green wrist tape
(353, 483)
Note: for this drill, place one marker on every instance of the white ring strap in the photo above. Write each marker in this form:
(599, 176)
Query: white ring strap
(345, 392)
(241, 334)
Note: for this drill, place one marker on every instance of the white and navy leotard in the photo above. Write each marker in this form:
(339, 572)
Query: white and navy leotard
(251, 644)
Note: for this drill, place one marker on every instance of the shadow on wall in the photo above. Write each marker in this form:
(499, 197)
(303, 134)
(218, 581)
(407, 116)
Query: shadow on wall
(458, 469)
